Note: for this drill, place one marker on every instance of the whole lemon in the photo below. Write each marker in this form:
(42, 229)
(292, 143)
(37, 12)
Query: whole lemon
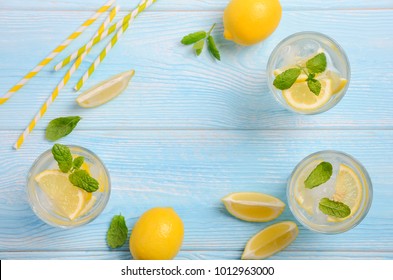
(248, 22)
(157, 235)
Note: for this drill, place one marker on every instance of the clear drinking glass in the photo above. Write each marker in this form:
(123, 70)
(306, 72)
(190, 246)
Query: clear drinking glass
(297, 49)
(43, 207)
(304, 202)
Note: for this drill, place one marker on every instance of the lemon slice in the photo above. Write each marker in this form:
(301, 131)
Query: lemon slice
(105, 91)
(348, 191)
(338, 83)
(300, 193)
(302, 99)
(67, 199)
(270, 241)
(253, 207)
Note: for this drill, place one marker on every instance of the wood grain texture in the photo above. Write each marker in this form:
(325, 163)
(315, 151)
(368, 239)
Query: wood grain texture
(194, 255)
(189, 130)
(172, 89)
(191, 171)
(189, 5)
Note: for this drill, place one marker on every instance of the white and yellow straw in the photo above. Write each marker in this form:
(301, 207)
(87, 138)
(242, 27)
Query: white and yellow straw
(56, 51)
(126, 19)
(141, 7)
(63, 82)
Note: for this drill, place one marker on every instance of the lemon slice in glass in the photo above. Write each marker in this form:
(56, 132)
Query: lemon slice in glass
(302, 197)
(253, 207)
(348, 191)
(270, 241)
(302, 99)
(338, 83)
(67, 199)
(105, 91)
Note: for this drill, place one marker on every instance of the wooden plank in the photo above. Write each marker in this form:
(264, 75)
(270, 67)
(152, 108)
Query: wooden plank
(191, 171)
(195, 255)
(173, 89)
(178, 5)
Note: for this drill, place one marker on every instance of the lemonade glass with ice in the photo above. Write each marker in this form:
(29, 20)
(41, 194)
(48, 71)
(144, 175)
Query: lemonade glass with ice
(56, 201)
(294, 52)
(348, 186)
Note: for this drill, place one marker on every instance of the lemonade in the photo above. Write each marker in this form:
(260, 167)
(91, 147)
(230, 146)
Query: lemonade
(56, 200)
(329, 192)
(320, 73)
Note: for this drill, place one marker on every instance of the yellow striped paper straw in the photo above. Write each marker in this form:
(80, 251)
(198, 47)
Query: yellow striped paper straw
(110, 30)
(56, 51)
(63, 82)
(141, 7)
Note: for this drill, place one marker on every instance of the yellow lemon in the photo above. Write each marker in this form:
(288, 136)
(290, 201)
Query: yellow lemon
(253, 207)
(270, 241)
(157, 235)
(248, 22)
(68, 200)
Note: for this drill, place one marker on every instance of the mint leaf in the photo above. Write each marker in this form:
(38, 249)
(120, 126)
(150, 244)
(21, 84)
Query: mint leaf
(61, 127)
(334, 208)
(314, 86)
(82, 179)
(286, 79)
(321, 174)
(62, 155)
(193, 37)
(77, 163)
(198, 47)
(317, 64)
(213, 48)
(117, 232)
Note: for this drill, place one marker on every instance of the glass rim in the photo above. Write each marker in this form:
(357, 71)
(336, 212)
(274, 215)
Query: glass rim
(104, 201)
(367, 203)
(341, 52)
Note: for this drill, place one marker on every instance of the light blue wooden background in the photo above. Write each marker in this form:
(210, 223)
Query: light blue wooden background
(189, 130)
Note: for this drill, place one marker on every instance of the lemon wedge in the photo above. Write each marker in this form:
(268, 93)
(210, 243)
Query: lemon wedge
(253, 207)
(270, 241)
(302, 99)
(67, 199)
(105, 91)
(348, 190)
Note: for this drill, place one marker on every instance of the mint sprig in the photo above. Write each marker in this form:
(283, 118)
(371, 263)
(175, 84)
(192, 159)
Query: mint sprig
(117, 232)
(198, 39)
(314, 66)
(77, 163)
(63, 156)
(61, 127)
(82, 179)
(287, 78)
(79, 178)
(334, 208)
(320, 175)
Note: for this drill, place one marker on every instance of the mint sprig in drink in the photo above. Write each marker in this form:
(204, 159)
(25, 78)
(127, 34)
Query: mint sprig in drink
(329, 192)
(308, 73)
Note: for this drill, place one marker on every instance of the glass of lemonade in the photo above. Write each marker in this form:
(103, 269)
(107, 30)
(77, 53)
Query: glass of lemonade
(349, 184)
(294, 52)
(56, 201)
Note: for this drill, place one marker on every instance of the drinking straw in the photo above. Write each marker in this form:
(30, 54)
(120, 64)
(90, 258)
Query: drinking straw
(106, 33)
(56, 51)
(141, 7)
(63, 82)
